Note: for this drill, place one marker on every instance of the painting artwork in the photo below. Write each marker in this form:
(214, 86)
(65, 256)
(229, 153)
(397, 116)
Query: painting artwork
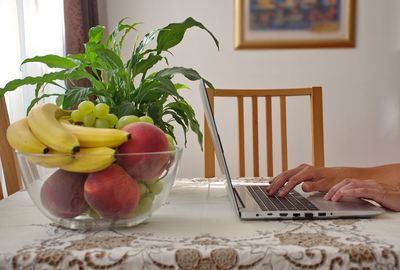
(294, 23)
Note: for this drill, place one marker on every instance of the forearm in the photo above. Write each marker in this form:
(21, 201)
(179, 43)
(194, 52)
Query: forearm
(389, 174)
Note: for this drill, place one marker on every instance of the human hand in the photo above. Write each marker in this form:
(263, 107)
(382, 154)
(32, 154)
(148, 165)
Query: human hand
(314, 178)
(385, 194)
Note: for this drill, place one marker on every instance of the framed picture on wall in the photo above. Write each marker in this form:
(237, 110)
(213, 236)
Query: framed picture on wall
(294, 24)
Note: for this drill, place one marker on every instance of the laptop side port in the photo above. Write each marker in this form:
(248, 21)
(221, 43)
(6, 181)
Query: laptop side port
(308, 215)
(283, 214)
(296, 214)
(321, 214)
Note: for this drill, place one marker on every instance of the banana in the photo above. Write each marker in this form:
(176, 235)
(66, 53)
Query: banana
(91, 160)
(53, 159)
(21, 138)
(96, 137)
(45, 126)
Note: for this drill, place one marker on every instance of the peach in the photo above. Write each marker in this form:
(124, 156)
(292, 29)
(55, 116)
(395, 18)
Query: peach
(112, 193)
(62, 194)
(145, 138)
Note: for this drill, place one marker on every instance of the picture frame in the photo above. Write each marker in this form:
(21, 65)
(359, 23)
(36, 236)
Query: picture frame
(291, 24)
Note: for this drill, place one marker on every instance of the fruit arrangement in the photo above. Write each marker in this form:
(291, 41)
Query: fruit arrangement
(91, 177)
(111, 142)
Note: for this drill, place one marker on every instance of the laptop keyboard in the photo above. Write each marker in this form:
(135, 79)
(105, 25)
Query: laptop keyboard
(292, 201)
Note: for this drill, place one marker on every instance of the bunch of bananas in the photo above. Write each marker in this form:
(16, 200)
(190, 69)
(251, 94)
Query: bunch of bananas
(48, 139)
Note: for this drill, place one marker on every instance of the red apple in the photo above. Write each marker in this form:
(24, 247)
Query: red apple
(62, 194)
(145, 138)
(112, 193)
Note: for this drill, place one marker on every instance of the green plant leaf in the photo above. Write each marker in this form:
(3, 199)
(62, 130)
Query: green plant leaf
(173, 33)
(125, 108)
(186, 113)
(52, 61)
(60, 100)
(189, 73)
(46, 78)
(144, 65)
(108, 59)
(179, 86)
(146, 40)
(112, 38)
(152, 90)
(37, 99)
(74, 96)
(155, 111)
(178, 118)
(78, 74)
(96, 34)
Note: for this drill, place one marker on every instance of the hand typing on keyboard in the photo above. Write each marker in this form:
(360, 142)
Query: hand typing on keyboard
(314, 178)
(343, 181)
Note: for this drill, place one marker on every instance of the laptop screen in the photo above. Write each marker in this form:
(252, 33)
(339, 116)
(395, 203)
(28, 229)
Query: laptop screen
(217, 142)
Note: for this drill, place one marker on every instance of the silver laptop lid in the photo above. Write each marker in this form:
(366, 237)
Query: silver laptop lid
(219, 151)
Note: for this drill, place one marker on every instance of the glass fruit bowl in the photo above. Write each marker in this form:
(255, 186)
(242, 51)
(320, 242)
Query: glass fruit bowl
(99, 190)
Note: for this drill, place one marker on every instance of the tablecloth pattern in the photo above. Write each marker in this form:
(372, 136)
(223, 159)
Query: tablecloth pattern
(197, 229)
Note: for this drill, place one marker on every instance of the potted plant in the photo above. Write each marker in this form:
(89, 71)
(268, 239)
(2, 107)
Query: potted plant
(128, 87)
(102, 176)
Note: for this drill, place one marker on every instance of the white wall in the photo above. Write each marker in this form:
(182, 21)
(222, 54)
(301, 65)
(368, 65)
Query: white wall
(361, 86)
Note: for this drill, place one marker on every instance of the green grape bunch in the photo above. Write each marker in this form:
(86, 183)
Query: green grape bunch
(90, 115)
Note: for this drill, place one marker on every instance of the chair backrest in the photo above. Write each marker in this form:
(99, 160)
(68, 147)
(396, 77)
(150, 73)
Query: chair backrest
(317, 138)
(8, 160)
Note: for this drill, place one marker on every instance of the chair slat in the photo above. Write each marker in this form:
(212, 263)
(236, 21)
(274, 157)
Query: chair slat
(317, 136)
(283, 134)
(269, 147)
(242, 166)
(8, 159)
(209, 157)
(256, 169)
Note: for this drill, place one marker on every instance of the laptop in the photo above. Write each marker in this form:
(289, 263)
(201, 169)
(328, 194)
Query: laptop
(251, 202)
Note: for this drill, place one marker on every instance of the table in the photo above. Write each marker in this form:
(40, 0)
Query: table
(197, 229)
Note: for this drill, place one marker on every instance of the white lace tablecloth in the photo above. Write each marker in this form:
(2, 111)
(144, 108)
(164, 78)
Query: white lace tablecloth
(197, 229)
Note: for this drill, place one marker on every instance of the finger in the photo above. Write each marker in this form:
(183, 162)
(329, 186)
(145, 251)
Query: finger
(338, 186)
(354, 184)
(282, 178)
(320, 185)
(306, 174)
(367, 193)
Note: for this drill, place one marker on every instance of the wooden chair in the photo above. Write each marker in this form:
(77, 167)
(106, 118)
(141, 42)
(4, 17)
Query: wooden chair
(8, 158)
(317, 141)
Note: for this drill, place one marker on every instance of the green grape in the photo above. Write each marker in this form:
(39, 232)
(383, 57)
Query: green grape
(146, 119)
(143, 189)
(156, 188)
(145, 204)
(76, 116)
(89, 120)
(171, 142)
(85, 107)
(101, 110)
(112, 119)
(151, 181)
(125, 120)
(151, 196)
(102, 123)
(92, 213)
